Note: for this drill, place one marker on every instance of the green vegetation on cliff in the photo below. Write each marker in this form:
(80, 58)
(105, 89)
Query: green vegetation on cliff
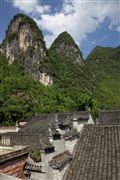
(97, 85)
(21, 96)
(103, 67)
(77, 84)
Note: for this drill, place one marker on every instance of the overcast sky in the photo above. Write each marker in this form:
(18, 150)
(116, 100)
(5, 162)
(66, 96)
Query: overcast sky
(90, 22)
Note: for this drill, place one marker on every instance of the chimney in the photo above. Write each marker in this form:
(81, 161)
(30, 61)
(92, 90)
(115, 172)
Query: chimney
(17, 126)
(56, 122)
(50, 136)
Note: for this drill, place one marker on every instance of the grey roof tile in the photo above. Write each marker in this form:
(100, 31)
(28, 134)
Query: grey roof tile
(97, 154)
(60, 160)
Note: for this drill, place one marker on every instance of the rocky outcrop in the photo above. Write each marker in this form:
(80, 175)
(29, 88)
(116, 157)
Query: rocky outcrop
(24, 44)
(66, 47)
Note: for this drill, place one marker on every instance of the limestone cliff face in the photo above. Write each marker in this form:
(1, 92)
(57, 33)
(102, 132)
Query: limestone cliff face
(24, 44)
(65, 46)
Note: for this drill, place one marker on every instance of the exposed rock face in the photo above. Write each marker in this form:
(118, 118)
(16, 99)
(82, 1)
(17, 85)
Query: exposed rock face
(24, 44)
(66, 47)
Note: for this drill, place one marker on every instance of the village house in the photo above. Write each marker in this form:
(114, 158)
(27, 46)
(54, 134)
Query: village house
(71, 146)
(55, 136)
(12, 159)
(97, 152)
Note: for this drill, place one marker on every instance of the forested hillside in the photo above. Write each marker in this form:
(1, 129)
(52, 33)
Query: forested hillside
(77, 83)
(103, 67)
(21, 96)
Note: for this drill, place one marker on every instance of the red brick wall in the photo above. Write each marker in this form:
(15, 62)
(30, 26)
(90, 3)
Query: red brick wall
(14, 166)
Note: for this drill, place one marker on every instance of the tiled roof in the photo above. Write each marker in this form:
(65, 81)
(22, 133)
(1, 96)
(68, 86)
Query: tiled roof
(81, 116)
(71, 133)
(64, 120)
(97, 154)
(109, 117)
(34, 168)
(60, 160)
(67, 118)
(6, 154)
(39, 124)
(33, 140)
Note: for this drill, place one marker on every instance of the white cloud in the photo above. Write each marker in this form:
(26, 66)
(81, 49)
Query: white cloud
(77, 17)
(30, 6)
(118, 28)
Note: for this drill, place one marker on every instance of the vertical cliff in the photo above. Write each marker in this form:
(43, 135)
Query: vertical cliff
(24, 44)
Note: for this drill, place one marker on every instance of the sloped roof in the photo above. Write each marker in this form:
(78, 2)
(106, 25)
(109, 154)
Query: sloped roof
(67, 118)
(97, 154)
(109, 117)
(33, 140)
(64, 120)
(60, 160)
(81, 115)
(71, 133)
(35, 132)
(39, 124)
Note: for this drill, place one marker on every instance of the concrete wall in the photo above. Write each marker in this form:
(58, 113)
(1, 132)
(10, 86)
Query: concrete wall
(58, 174)
(59, 146)
(50, 173)
(38, 176)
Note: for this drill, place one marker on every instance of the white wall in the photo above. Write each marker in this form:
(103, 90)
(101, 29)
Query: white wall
(70, 145)
(90, 121)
